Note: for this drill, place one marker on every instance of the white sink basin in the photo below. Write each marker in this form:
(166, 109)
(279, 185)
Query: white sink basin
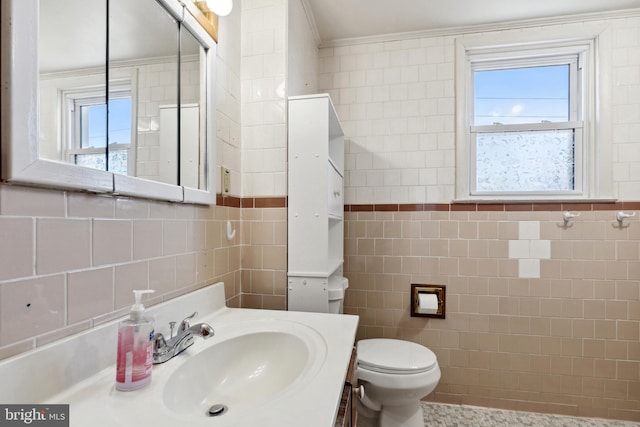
(242, 371)
(269, 368)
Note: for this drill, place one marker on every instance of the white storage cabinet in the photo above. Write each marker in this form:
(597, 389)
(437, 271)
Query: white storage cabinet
(316, 204)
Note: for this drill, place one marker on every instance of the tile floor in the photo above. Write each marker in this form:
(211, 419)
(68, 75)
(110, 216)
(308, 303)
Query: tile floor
(444, 415)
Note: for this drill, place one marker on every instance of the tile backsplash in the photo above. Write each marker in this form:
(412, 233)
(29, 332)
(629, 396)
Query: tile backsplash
(70, 260)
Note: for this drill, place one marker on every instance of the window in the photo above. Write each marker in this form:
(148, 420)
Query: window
(526, 130)
(527, 126)
(87, 137)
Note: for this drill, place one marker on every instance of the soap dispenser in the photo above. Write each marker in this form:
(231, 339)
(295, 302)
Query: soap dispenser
(135, 348)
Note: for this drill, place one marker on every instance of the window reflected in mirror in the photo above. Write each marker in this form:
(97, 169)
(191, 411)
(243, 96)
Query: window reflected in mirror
(122, 94)
(73, 113)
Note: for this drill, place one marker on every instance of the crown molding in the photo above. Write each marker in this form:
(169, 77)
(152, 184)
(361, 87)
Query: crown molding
(469, 29)
(311, 19)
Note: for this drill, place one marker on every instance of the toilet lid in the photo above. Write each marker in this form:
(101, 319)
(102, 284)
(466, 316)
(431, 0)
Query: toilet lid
(394, 356)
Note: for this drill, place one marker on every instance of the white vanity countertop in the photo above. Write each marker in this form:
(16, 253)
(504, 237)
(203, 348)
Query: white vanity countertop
(311, 401)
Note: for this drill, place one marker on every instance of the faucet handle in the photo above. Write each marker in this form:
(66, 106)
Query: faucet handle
(184, 325)
(159, 343)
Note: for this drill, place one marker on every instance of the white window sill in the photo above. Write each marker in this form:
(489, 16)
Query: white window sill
(529, 200)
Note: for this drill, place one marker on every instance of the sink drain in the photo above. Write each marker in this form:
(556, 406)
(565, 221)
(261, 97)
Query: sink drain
(217, 410)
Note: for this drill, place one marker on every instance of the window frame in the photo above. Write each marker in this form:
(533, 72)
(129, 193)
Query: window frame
(594, 178)
(76, 98)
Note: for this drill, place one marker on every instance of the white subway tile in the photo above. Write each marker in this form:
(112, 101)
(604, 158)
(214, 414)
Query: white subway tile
(364, 161)
(364, 95)
(375, 77)
(519, 249)
(540, 249)
(358, 78)
(392, 177)
(392, 75)
(410, 177)
(529, 268)
(381, 60)
(90, 293)
(364, 61)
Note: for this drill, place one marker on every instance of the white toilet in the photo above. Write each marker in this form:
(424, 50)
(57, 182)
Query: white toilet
(395, 374)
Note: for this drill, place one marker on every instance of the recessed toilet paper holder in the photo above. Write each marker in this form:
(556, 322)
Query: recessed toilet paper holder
(438, 290)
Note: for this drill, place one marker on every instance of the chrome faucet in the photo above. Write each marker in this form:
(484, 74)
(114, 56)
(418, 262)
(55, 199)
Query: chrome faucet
(164, 350)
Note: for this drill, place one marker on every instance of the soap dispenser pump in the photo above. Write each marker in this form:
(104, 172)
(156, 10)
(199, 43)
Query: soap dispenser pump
(135, 347)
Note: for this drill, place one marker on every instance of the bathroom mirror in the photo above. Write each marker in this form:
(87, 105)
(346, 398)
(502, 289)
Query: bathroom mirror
(119, 105)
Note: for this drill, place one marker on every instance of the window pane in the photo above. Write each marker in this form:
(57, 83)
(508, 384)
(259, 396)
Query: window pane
(525, 161)
(95, 161)
(120, 121)
(117, 161)
(93, 126)
(521, 95)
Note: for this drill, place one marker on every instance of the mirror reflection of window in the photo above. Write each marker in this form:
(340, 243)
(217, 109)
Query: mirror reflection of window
(72, 74)
(109, 125)
(98, 62)
(87, 125)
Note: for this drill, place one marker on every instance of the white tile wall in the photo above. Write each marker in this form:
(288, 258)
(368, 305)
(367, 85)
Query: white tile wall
(626, 108)
(396, 101)
(228, 98)
(263, 86)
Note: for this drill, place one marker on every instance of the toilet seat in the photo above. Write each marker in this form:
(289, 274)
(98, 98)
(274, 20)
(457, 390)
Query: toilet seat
(391, 356)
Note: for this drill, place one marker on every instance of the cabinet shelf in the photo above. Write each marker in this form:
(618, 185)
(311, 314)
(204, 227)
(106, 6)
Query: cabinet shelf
(336, 167)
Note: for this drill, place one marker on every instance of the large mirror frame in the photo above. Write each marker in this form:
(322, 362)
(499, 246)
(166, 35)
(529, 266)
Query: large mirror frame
(19, 152)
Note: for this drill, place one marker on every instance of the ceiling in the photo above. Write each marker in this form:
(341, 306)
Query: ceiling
(348, 19)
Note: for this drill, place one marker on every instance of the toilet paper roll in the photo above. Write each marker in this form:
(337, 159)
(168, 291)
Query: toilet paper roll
(427, 303)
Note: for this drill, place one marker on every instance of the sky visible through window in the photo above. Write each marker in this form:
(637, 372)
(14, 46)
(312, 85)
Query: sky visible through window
(521, 95)
(119, 123)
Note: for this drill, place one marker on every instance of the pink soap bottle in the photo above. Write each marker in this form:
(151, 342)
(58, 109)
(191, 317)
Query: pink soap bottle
(135, 348)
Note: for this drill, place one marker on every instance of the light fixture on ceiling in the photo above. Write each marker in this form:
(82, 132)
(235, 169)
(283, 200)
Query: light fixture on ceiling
(219, 7)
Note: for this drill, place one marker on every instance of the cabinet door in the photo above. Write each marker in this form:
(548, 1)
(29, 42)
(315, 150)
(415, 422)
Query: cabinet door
(348, 409)
(353, 382)
(344, 418)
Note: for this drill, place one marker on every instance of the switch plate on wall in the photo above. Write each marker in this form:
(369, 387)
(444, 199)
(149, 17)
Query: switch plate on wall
(226, 181)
